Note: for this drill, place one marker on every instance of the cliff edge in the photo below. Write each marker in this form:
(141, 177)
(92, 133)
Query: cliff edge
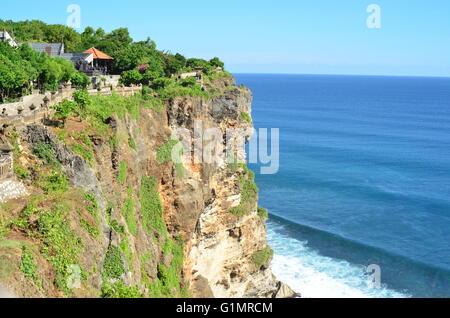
(110, 212)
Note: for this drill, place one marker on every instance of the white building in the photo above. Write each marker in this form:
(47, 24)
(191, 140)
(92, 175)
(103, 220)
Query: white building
(5, 37)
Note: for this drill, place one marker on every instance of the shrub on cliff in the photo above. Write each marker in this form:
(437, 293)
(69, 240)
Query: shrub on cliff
(120, 290)
(64, 110)
(129, 78)
(216, 62)
(113, 266)
(151, 206)
(263, 257)
(249, 194)
(80, 80)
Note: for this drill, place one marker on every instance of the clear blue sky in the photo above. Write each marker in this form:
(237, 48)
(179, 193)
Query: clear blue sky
(284, 36)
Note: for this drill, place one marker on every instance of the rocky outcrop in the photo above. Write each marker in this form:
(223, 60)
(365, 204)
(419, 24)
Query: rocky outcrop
(221, 245)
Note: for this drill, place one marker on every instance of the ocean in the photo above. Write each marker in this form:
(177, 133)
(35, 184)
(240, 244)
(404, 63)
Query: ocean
(364, 180)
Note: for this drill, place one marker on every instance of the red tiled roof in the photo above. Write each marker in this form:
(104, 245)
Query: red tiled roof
(98, 55)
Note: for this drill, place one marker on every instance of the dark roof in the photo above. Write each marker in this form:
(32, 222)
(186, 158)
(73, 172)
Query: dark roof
(51, 49)
(74, 57)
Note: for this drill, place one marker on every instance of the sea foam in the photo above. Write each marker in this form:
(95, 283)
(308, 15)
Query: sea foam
(316, 276)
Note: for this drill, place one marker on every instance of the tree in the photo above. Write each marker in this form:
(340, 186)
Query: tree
(80, 80)
(161, 83)
(174, 63)
(63, 110)
(128, 78)
(216, 62)
(134, 55)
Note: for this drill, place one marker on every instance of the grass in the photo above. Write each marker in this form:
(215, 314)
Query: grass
(263, 213)
(27, 264)
(99, 108)
(21, 172)
(117, 227)
(129, 212)
(151, 206)
(4, 225)
(52, 181)
(46, 152)
(165, 154)
(262, 257)
(91, 205)
(89, 228)
(176, 90)
(124, 247)
(249, 194)
(123, 172)
(84, 147)
(60, 244)
(132, 143)
(168, 282)
(120, 290)
(113, 266)
(246, 116)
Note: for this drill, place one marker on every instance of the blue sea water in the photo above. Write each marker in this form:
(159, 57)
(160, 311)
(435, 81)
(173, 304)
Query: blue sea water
(364, 179)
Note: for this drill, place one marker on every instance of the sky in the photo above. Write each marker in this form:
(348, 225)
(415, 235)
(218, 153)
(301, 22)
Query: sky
(283, 36)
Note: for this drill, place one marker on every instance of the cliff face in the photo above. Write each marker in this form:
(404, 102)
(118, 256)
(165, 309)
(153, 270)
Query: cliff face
(130, 222)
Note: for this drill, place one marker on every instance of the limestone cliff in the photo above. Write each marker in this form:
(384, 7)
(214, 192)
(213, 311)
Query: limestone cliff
(110, 214)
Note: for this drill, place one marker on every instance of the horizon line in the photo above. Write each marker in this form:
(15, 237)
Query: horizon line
(330, 74)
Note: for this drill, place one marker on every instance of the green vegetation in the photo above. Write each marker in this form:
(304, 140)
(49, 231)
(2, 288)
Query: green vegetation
(46, 152)
(22, 69)
(117, 227)
(129, 212)
(52, 181)
(263, 213)
(80, 80)
(246, 117)
(169, 282)
(132, 142)
(113, 266)
(165, 154)
(88, 227)
(4, 225)
(91, 206)
(120, 290)
(151, 206)
(27, 264)
(138, 62)
(263, 257)
(60, 245)
(21, 172)
(123, 172)
(83, 147)
(249, 194)
(172, 89)
(64, 110)
(124, 247)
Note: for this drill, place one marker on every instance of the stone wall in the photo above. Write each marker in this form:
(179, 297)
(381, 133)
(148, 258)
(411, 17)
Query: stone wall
(6, 167)
(105, 81)
(33, 108)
